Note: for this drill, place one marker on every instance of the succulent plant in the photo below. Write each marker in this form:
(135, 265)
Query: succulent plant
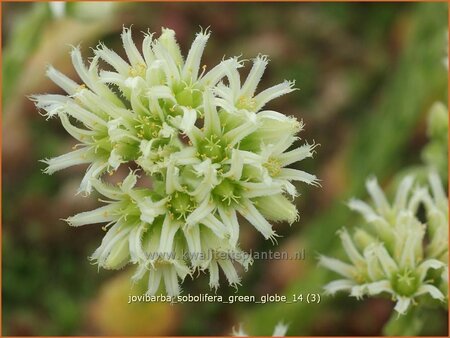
(210, 148)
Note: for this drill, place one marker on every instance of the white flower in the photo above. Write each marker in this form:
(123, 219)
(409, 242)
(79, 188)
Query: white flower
(210, 151)
(388, 256)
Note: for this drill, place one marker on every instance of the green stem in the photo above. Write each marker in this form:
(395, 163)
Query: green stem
(409, 324)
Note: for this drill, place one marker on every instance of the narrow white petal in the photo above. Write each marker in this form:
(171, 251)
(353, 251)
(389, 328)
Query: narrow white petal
(428, 264)
(137, 253)
(103, 214)
(379, 287)
(169, 43)
(111, 246)
(338, 285)
(93, 172)
(226, 104)
(402, 305)
(147, 49)
(298, 175)
(436, 186)
(150, 209)
(377, 195)
(255, 75)
(213, 275)
(161, 92)
(188, 121)
(235, 135)
(192, 64)
(234, 80)
(297, 154)
(192, 236)
(113, 59)
(90, 78)
(212, 121)
(363, 208)
(419, 196)
(53, 104)
(80, 156)
(237, 165)
(337, 266)
(261, 189)
(374, 269)
(169, 64)
(172, 179)
(230, 272)
(229, 219)
(88, 118)
(252, 214)
(171, 281)
(403, 192)
(203, 210)
(79, 134)
(130, 48)
(384, 258)
(350, 248)
(116, 79)
(115, 159)
(129, 182)
(273, 115)
(185, 156)
(68, 85)
(273, 92)
(101, 89)
(154, 280)
(169, 229)
(218, 72)
(107, 190)
(431, 290)
(139, 273)
(215, 225)
(358, 291)
(181, 268)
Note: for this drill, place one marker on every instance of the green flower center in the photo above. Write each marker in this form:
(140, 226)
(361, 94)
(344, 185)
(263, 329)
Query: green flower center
(213, 147)
(405, 282)
(130, 212)
(147, 128)
(128, 151)
(181, 205)
(227, 192)
(188, 96)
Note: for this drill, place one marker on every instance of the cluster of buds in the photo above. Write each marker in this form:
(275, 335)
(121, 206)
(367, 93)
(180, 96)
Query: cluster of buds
(398, 252)
(202, 137)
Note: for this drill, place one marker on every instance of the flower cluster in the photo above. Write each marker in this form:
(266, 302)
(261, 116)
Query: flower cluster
(397, 253)
(203, 138)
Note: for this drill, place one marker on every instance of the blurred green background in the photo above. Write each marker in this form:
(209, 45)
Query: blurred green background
(367, 73)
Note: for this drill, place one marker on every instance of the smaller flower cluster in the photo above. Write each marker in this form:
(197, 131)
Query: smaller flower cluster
(396, 253)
